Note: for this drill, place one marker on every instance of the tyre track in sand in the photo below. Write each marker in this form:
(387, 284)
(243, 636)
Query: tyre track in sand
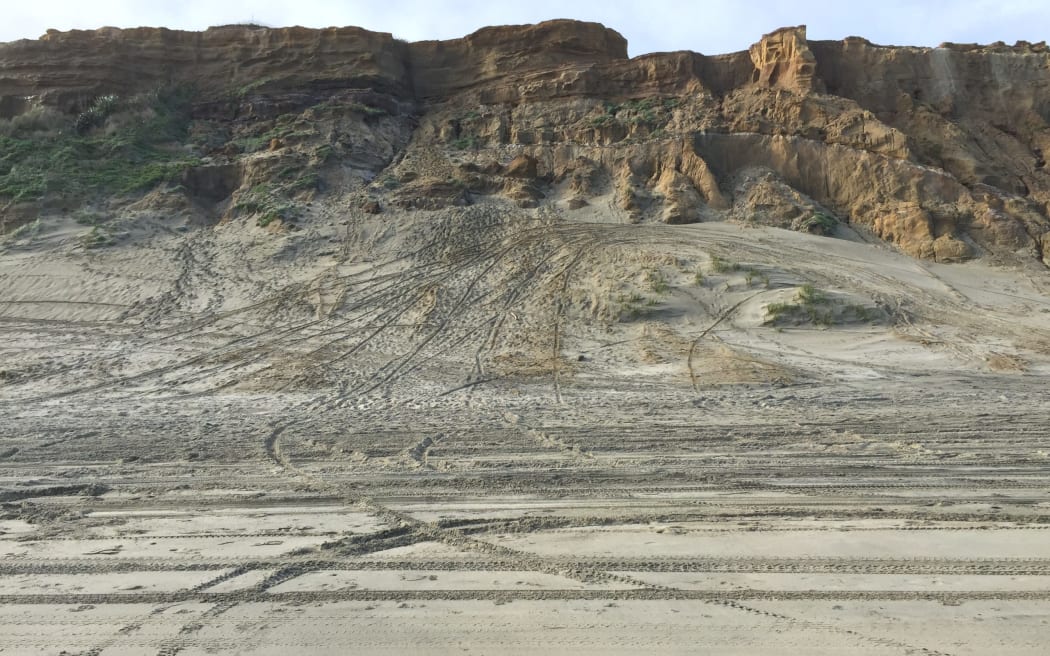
(588, 574)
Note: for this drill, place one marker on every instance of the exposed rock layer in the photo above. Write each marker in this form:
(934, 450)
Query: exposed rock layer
(940, 151)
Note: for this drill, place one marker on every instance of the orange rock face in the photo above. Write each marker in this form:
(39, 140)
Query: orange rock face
(941, 151)
(66, 67)
(783, 60)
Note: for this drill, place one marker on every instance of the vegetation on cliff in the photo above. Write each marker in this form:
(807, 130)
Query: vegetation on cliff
(114, 146)
(937, 151)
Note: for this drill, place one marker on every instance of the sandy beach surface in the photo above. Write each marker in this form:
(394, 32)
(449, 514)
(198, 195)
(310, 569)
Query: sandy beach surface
(567, 437)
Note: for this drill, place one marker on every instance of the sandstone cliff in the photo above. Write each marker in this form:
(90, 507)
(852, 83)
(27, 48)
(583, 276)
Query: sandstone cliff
(939, 151)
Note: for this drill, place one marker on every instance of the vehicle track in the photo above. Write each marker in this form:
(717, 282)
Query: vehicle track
(231, 568)
(526, 561)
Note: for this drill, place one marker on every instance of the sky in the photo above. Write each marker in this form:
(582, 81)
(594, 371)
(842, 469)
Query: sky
(712, 27)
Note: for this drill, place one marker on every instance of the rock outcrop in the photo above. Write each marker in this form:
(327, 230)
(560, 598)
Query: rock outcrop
(783, 60)
(65, 69)
(941, 151)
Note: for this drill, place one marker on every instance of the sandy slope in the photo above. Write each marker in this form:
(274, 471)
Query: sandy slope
(494, 431)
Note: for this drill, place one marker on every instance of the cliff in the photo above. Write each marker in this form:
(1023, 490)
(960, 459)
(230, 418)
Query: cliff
(939, 151)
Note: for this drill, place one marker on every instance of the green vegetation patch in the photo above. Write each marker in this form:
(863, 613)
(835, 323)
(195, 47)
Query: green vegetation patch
(338, 107)
(111, 148)
(814, 306)
(819, 224)
(366, 110)
(99, 237)
(753, 275)
(651, 113)
(721, 265)
(252, 143)
(269, 203)
(632, 306)
(657, 282)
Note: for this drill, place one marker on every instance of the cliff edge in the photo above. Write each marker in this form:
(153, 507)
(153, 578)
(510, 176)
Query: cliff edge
(939, 151)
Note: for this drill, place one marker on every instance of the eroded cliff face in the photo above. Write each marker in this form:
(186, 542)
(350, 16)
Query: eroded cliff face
(939, 151)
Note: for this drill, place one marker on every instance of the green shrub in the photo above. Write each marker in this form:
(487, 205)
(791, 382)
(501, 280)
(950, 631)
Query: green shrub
(752, 274)
(777, 310)
(820, 223)
(99, 237)
(633, 297)
(810, 295)
(324, 153)
(810, 305)
(657, 281)
(268, 203)
(133, 156)
(860, 312)
(306, 181)
(651, 113)
(723, 266)
(95, 115)
(286, 212)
